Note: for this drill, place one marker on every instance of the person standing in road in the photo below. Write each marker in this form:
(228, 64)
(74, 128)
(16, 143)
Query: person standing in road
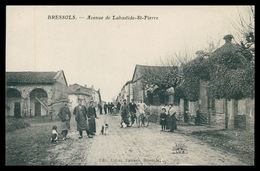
(163, 117)
(111, 107)
(174, 122)
(124, 113)
(166, 108)
(132, 109)
(92, 115)
(81, 118)
(172, 125)
(65, 115)
(141, 110)
(118, 106)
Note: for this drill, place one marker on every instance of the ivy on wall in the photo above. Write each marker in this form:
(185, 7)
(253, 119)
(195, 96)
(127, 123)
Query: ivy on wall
(230, 71)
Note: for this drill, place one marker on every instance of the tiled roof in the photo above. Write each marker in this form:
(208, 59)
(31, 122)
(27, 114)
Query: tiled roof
(143, 68)
(78, 89)
(14, 78)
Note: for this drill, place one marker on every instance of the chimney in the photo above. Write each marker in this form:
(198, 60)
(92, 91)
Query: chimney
(228, 38)
(92, 86)
(85, 85)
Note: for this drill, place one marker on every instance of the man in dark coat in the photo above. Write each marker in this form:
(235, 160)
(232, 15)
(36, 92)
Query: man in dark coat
(132, 108)
(92, 118)
(124, 113)
(111, 107)
(118, 106)
(81, 118)
(65, 115)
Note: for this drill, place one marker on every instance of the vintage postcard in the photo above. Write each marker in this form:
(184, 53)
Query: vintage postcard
(130, 85)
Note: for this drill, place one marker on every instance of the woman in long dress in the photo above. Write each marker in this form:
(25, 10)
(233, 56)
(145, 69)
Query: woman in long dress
(171, 119)
(92, 118)
(173, 125)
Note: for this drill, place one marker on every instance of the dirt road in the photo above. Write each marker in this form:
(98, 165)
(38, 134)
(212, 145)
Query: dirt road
(136, 146)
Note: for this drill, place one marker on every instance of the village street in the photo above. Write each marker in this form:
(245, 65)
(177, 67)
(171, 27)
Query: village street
(135, 146)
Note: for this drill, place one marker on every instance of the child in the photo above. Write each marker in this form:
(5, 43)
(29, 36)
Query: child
(54, 136)
(163, 119)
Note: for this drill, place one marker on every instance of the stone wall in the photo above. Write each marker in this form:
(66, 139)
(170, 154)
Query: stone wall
(60, 91)
(231, 113)
(181, 105)
(10, 102)
(250, 114)
(54, 92)
(245, 118)
(203, 97)
(193, 107)
(27, 108)
(131, 96)
(240, 114)
(137, 91)
(220, 113)
(155, 114)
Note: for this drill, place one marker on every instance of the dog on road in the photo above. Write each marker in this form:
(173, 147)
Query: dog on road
(104, 129)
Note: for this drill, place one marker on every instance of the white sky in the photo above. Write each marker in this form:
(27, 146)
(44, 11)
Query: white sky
(104, 53)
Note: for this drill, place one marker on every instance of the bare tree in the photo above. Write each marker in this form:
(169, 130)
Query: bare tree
(245, 28)
(177, 59)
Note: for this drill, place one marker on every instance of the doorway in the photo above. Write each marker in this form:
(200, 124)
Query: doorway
(37, 108)
(17, 109)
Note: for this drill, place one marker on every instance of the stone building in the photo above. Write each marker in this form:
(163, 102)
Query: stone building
(150, 94)
(35, 93)
(125, 93)
(76, 92)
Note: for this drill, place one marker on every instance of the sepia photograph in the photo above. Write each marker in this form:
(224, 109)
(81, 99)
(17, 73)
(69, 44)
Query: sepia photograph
(130, 85)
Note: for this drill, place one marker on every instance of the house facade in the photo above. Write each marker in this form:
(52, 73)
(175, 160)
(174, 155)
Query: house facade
(150, 94)
(76, 92)
(35, 93)
(126, 93)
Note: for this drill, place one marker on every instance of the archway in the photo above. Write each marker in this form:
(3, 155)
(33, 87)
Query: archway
(13, 102)
(38, 100)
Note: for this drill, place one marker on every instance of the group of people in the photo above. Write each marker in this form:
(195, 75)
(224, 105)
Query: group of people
(132, 112)
(109, 108)
(136, 113)
(168, 118)
(84, 116)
